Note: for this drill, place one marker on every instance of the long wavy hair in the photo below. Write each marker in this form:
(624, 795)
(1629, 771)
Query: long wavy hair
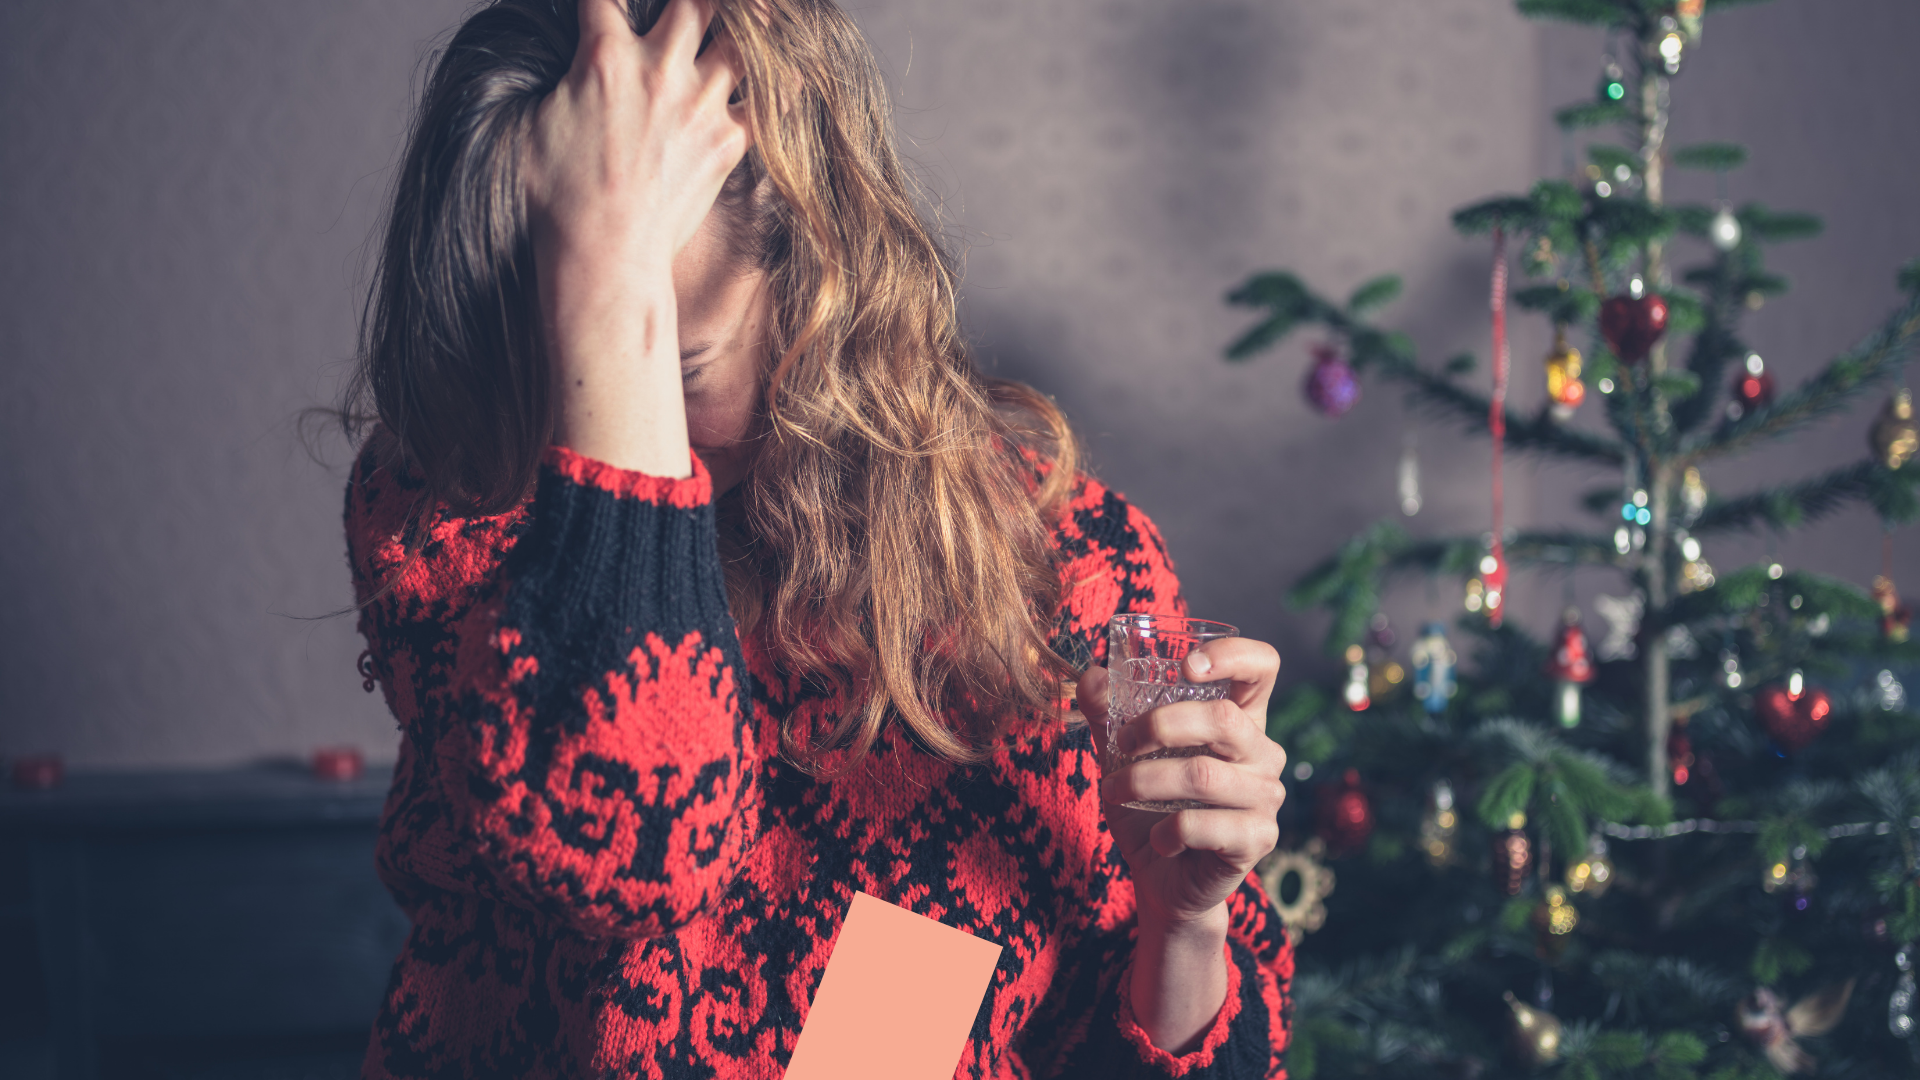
(892, 535)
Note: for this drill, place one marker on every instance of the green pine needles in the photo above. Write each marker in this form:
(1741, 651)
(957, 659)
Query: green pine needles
(1746, 765)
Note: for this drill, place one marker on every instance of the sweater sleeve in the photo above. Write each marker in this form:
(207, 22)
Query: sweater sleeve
(582, 722)
(1114, 561)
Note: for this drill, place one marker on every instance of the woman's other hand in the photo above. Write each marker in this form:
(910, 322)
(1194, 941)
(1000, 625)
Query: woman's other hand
(1185, 864)
(623, 162)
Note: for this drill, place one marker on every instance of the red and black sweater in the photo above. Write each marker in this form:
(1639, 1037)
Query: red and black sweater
(611, 871)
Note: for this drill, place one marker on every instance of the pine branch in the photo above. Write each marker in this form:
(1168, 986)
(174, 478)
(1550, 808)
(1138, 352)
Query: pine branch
(1871, 362)
(1540, 432)
(1889, 491)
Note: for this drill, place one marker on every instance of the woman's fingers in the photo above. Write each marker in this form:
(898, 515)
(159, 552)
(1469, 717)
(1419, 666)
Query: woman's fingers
(1251, 665)
(1229, 834)
(1223, 729)
(682, 26)
(603, 18)
(1220, 784)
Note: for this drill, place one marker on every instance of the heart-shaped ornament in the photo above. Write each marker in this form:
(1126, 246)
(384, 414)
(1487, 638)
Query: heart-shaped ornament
(1631, 325)
(1793, 722)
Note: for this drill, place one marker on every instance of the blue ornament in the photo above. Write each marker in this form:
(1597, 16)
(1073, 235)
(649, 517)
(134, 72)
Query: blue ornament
(1433, 662)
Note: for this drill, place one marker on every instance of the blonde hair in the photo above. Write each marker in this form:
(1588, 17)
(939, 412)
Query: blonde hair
(893, 534)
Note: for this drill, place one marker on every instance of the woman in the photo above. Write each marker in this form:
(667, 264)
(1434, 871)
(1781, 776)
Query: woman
(710, 584)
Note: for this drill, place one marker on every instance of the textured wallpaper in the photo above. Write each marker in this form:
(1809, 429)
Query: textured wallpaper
(187, 188)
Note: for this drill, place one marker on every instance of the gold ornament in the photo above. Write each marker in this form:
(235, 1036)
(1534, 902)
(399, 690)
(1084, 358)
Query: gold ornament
(1793, 872)
(1438, 825)
(1536, 1033)
(1893, 437)
(1563, 376)
(1774, 1028)
(1307, 911)
(1896, 618)
(1553, 919)
(1355, 694)
(1592, 875)
(1693, 496)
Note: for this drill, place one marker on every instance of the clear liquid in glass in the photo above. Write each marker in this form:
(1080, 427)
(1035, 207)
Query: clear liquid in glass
(1136, 687)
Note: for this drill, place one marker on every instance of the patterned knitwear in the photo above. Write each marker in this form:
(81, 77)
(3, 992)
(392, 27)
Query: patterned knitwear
(611, 871)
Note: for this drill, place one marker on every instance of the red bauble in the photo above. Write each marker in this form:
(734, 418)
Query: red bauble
(1512, 859)
(1632, 325)
(1571, 661)
(1793, 721)
(1680, 754)
(1753, 391)
(1331, 386)
(1345, 815)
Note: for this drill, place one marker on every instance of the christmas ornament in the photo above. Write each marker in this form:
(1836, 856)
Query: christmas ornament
(1592, 875)
(1672, 45)
(1893, 437)
(1433, 662)
(1730, 676)
(1344, 815)
(1774, 1029)
(1900, 1002)
(1512, 855)
(1680, 752)
(1896, 618)
(1569, 667)
(1632, 325)
(1690, 13)
(1384, 676)
(1695, 572)
(1307, 911)
(1724, 230)
(1793, 713)
(1563, 375)
(1693, 496)
(1553, 919)
(1380, 630)
(1613, 84)
(1623, 624)
(1355, 693)
(1885, 693)
(1752, 388)
(1331, 386)
(1438, 824)
(1536, 1033)
(1793, 874)
(1490, 587)
(1407, 482)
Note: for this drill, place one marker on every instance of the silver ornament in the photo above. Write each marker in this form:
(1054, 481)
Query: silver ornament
(1725, 229)
(1900, 1004)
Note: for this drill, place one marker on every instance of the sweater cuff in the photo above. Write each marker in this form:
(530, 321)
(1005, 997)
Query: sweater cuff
(1197, 1059)
(684, 493)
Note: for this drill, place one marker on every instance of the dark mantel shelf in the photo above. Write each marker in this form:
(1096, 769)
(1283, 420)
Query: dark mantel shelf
(260, 796)
(183, 912)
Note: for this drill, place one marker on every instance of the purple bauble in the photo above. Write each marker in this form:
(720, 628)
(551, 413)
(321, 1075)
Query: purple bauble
(1331, 386)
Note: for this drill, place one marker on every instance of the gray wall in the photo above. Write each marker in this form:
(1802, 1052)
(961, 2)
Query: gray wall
(186, 189)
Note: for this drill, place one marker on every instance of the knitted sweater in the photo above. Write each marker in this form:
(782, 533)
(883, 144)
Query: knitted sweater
(610, 870)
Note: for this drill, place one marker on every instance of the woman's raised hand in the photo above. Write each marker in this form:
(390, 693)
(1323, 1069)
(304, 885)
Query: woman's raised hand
(622, 164)
(1185, 864)
(631, 148)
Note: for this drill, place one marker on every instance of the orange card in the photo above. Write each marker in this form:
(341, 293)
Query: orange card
(897, 1000)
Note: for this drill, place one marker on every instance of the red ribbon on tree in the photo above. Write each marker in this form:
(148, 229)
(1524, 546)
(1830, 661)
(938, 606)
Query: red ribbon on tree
(1493, 569)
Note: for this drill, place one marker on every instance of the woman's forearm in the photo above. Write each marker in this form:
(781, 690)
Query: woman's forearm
(613, 344)
(1179, 979)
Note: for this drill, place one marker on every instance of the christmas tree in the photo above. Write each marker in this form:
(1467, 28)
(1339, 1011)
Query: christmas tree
(1691, 850)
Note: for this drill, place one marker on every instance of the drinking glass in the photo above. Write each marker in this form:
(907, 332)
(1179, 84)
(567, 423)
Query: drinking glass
(1144, 671)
